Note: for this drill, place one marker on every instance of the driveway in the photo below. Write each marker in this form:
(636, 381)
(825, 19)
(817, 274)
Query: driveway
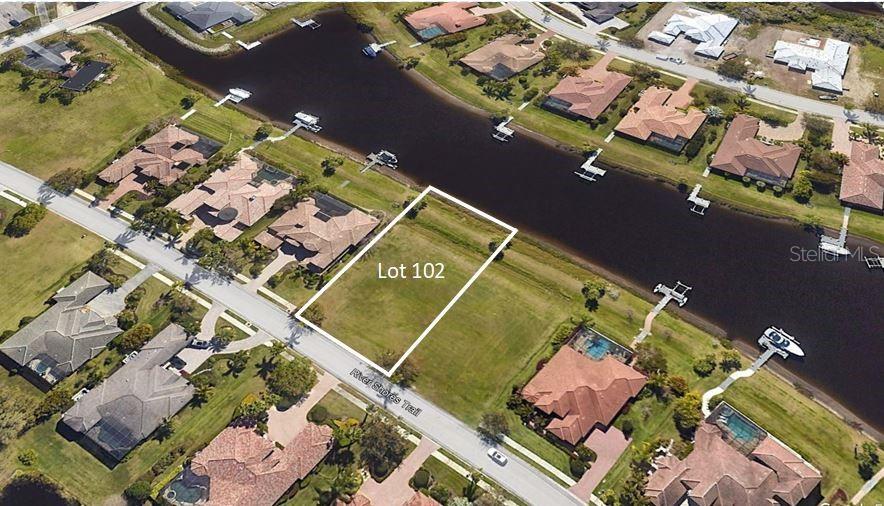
(283, 426)
(608, 446)
(395, 491)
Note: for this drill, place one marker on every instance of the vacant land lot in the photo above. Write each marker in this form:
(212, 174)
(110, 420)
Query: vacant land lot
(37, 265)
(387, 299)
(46, 138)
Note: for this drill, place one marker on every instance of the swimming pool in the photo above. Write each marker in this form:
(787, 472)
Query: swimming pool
(596, 345)
(431, 32)
(179, 492)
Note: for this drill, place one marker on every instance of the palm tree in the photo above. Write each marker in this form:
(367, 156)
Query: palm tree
(742, 101)
(346, 482)
(472, 491)
(347, 432)
(870, 131)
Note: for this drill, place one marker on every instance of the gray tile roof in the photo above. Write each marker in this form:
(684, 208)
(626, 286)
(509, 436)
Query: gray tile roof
(127, 407)
(67, 334)
(204, 15)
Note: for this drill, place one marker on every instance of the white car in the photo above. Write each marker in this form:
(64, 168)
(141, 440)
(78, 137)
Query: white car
(129, 357)
(677, 61)
(497, 457)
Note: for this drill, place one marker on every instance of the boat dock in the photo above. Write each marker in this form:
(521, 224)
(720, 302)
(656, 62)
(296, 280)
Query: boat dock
(249, 46)
(699, 204)
(836, 245)
(678, 293)
(875, 262)
(502, 132)
(235, 95)
(382, 157)
(588, 171)
(308, 23)
(374, 49)
(306, 121)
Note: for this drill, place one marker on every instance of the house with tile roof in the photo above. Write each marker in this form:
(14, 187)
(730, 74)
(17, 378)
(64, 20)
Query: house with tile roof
(589, 93)
(75, 329)
(235, 197)
(442, 19)
(662, 117)
(126, 408)
(862, 182)
(241, 468)
(165, 156)
(319, 230)
(741, 154)
(729, 466)
(507, 55)
(204, 15)
(581, 393)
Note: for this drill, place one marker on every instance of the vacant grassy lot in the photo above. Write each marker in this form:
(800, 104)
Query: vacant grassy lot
(442, 68)
(372, 314)
(83, 476)
(45, 138)
(37, 265)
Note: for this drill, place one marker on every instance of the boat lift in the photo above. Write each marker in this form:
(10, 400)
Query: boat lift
(383, 157)
(588, 171)
(307, 121)
(308, 23)
(875, 262)
(372, 50)
(502, 132)
(699, 204)
(235, 95)
(780, 342)
(679, 293)
(835, 245)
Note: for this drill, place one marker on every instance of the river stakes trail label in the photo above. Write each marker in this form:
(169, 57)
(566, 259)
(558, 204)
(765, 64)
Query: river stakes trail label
(384, 389)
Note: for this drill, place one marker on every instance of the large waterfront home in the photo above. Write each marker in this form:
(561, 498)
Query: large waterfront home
(165, 156)
(202, 16)
(741, 154)
(862, 183)
(733, 461)
(589, 93)
(233, 198)
(319, 230)
(506, 56)
(662, 117)
(442, 19)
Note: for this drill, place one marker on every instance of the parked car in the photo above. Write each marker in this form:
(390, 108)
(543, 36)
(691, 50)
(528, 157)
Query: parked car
(828, 97)
(677, 61)
(497, 457)
(77, 396)
(662, 57)
(201, 344)
(129, 357)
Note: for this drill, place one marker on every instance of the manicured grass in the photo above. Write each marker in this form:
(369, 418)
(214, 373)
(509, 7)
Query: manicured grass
(622, 153)
(45, 138)
(372, 314)
(807, 427)
(92, 483)
(37, 265)
(225, 124)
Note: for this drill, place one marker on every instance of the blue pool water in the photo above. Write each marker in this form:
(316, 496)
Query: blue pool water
(429, 33)
(741, 430)
(597, 348)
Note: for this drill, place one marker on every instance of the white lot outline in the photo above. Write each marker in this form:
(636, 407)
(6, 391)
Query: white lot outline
(430, 189)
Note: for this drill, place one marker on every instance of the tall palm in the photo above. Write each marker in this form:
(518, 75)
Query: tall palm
(870, 131)
(742, 101)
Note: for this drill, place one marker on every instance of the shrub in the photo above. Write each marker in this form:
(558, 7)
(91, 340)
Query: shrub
(290, 380)
(494, 425)
(421, 479)
(687, 414)
(803, 189)
(24, 220)
(677, 385)
(135, 337)
(586, 454)
(66, 181)
(730, 360)
(628, 428)
(441, 494)
(704, 366)
(138, 491)
(576, 467)
(318, 414)
(126, 319)
(27, 457)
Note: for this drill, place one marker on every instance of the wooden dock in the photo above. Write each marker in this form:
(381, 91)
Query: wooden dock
(588, 171)
(699, 204)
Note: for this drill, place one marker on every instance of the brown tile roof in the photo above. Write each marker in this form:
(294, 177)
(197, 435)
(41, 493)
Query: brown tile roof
(657, 112)
(581, 391)
(506, 55)
(245, 469)
(325, 235)
(419, 499)
(451, 17)
(358, 500)
(164, 157)
(863, 180)
(235, 188)
(591, 92)
(740, 152)
(715, 473)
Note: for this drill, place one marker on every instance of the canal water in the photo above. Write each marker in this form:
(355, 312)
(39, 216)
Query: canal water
(746, 272)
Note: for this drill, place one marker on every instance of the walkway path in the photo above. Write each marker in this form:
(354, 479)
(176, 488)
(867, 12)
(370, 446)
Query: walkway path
(76, 19)
(745, 373)
(645, 331)
(867, 487)
(759, 93)
(272, 268)
(518, 476)
(283, 426)
(395, 491)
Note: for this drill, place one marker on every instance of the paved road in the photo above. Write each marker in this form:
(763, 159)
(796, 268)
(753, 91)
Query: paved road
(73, 20)
(517, 476)
(771, 96)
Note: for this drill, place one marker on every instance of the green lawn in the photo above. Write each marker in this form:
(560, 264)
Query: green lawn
(45, 138)
(372, 314)
(37, 265)
(83, 476)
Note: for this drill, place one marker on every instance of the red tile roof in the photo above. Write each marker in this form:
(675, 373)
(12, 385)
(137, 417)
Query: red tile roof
(245, 469)
(419, 499)
(165, 157)
(451, 17)
(863, 180)
(506, 55)
(715, 473)
(591, 92)
(740, 152)
(658, 112)
(581, 391)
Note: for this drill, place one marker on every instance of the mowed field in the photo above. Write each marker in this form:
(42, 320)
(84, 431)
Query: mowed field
(438, 251)
(46, 138)
(35, 266)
